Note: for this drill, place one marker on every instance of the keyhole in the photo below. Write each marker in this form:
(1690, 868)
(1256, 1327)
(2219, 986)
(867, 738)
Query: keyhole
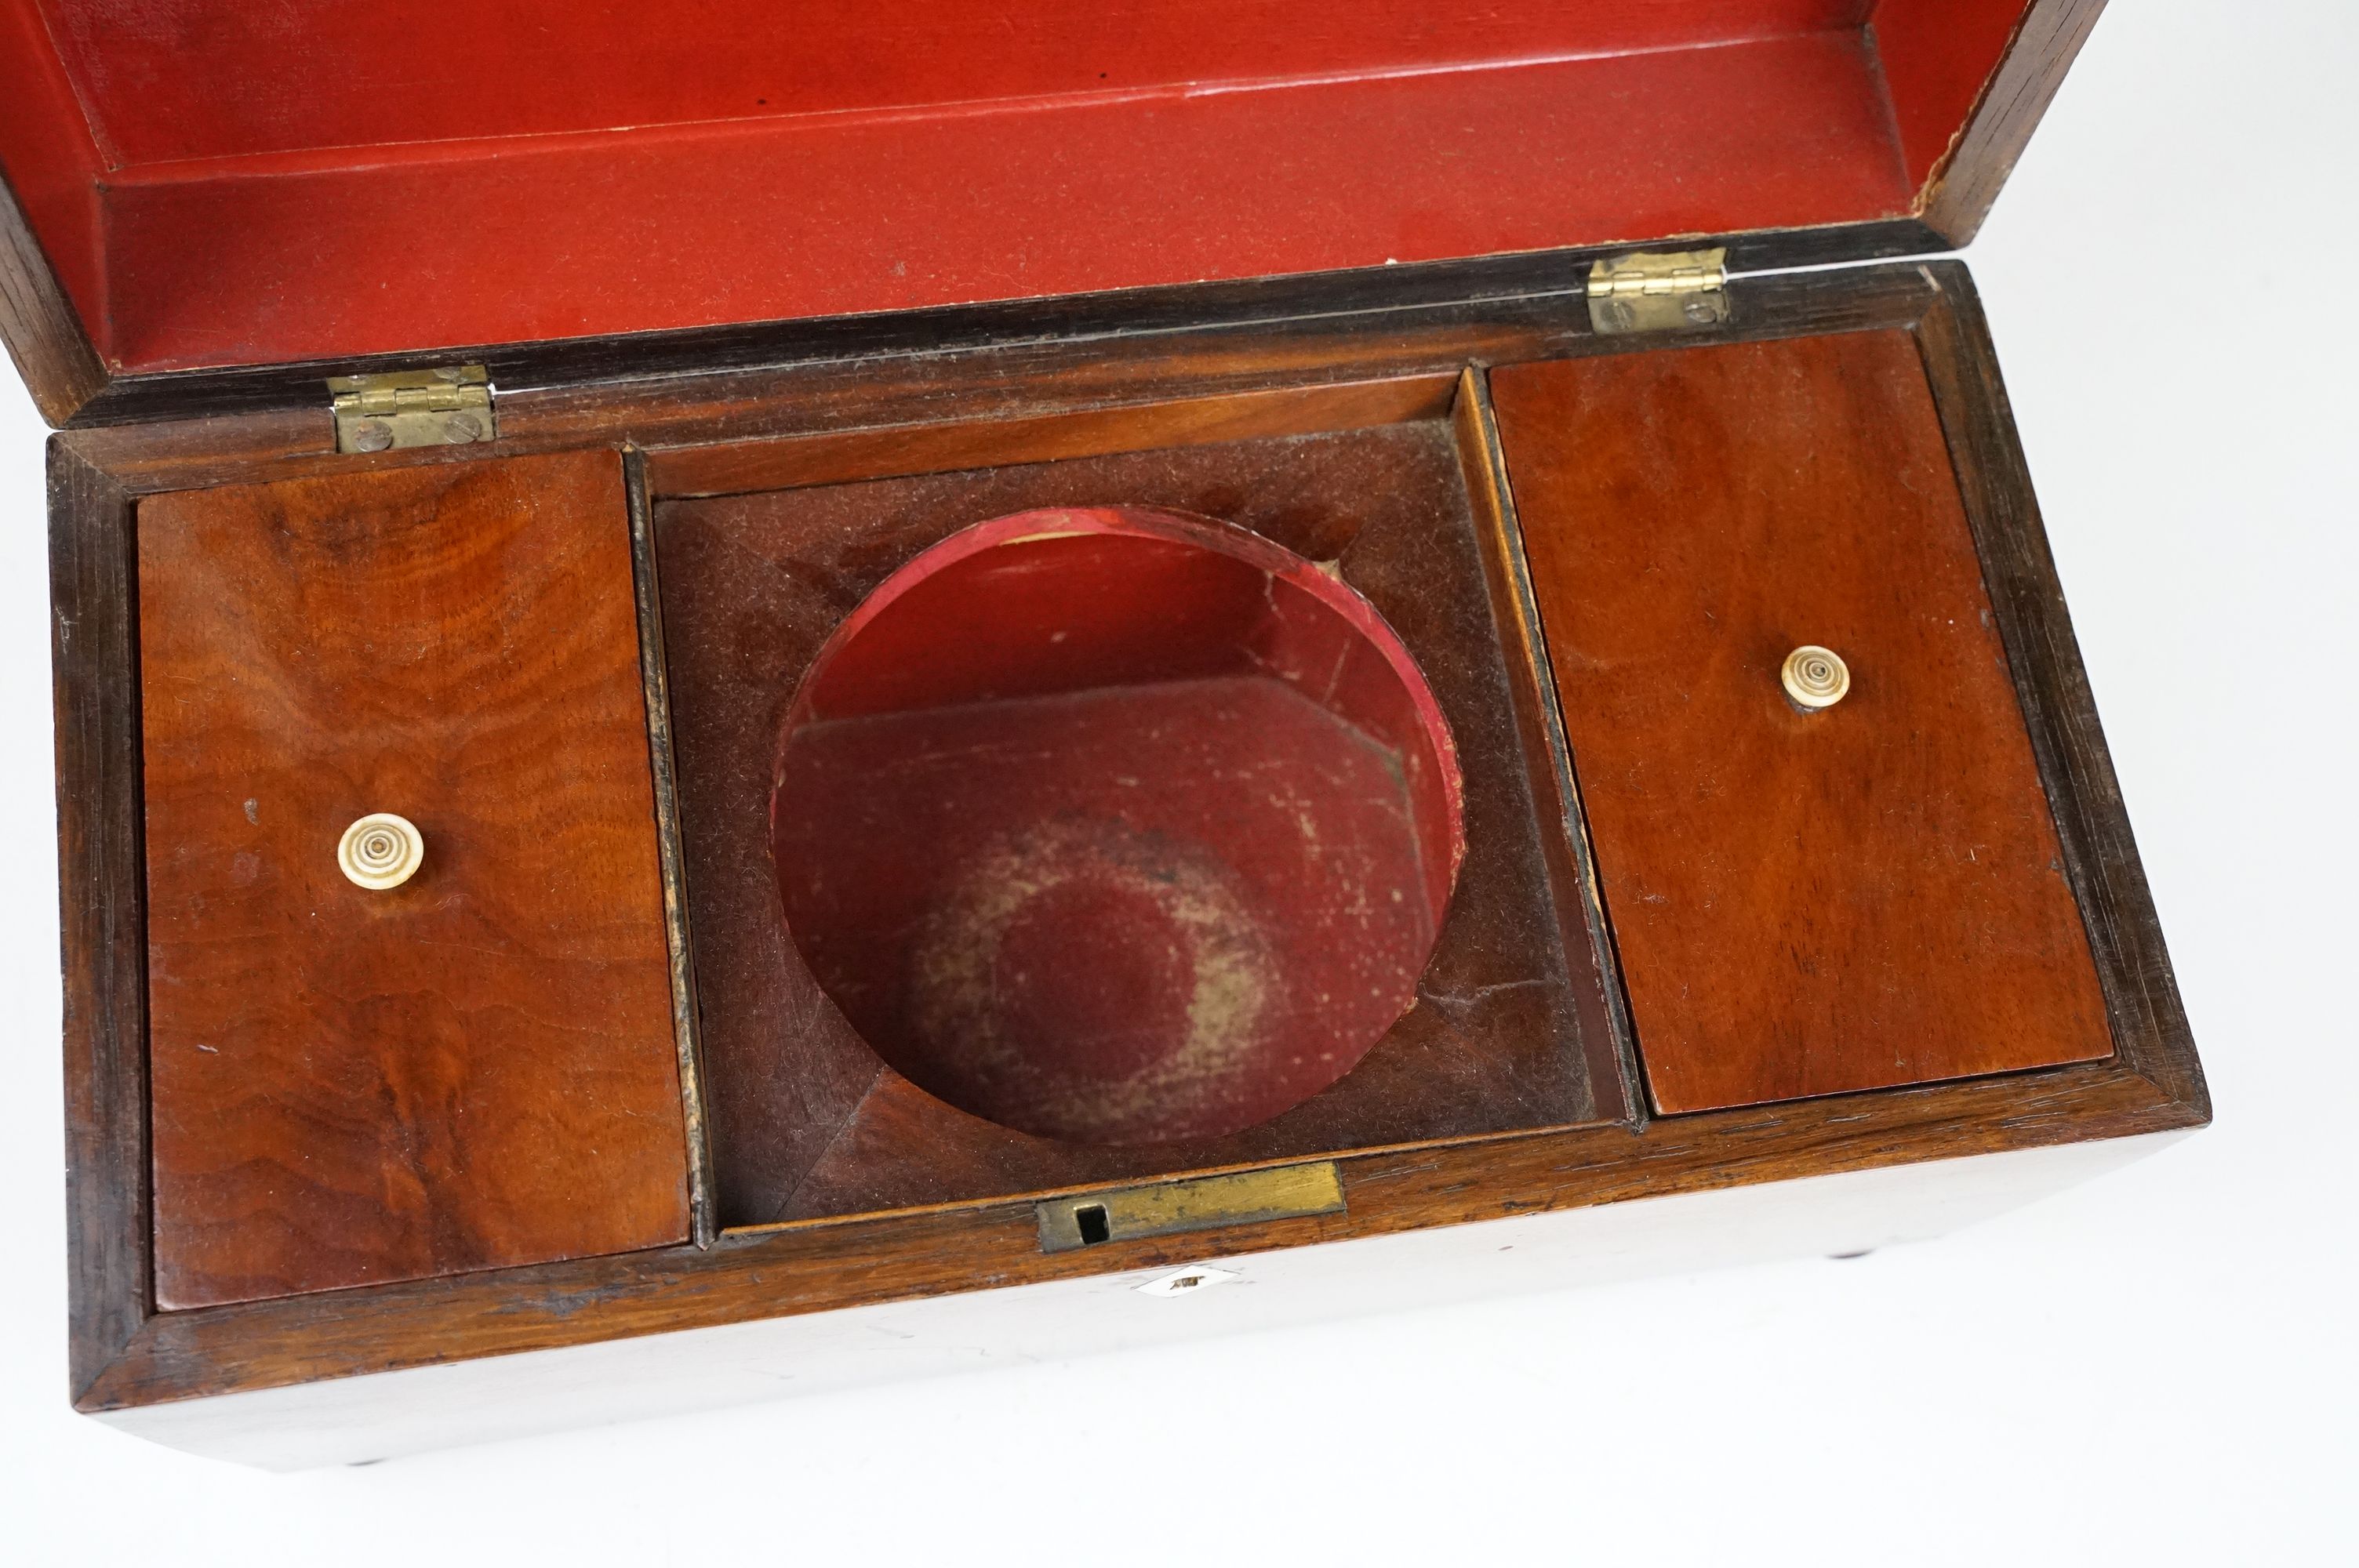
(1091, 1218)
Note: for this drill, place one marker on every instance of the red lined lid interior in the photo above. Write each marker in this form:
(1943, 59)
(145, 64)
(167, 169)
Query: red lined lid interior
(223, 184)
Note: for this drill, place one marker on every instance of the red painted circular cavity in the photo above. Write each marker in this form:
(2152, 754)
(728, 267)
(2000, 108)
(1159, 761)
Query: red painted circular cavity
(1095, 978)
(1116, 825)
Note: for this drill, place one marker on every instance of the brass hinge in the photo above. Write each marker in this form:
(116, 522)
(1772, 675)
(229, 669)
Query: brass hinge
(1654, 291)
(448, 405)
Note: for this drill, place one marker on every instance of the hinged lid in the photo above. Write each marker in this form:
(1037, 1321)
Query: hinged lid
(447, 406)
(201, 194)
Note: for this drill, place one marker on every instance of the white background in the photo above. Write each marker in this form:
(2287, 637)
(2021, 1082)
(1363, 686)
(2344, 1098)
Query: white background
(2157, 1368)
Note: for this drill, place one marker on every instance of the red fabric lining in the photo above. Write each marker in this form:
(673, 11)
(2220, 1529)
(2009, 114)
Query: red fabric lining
(929, 159)
(767, 221)
(50, 159)
(1937, 54)
(171, 80)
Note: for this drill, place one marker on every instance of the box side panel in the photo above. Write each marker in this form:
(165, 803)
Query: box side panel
(378, 1416)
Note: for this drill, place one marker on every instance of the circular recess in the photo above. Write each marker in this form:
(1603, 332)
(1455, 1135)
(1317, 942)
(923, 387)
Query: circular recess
(1116, 825)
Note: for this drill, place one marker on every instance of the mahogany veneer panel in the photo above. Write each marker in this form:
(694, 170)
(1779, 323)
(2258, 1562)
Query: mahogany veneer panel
(807, 1121)
(476, 1068)
(1805, 903)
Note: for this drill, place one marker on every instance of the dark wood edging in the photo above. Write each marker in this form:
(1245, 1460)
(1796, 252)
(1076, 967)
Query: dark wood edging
(640, 356)
(1966, 182)
(852, 1263)
(38, 323)
(101, 866)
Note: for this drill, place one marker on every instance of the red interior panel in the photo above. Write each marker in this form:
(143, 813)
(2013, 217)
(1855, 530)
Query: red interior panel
(50, 159)
(412, 70)
(1937, 54)
(223, 184)
(579, 235)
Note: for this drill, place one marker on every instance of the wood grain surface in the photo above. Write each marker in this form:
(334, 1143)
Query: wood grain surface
(1805, 903)
(94, 630)
(838, 457)
(474, 1069)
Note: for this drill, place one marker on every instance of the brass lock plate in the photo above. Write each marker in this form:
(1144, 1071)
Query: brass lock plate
(1165, 1208)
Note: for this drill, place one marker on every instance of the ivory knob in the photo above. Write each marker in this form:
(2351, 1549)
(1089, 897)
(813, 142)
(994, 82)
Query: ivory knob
(1815, 677)
(381, 851)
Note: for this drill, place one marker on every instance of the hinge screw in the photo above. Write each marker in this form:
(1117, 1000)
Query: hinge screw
(372, 435)
(462, 428)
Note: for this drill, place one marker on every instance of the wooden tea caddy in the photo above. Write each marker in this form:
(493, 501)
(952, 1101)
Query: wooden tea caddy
(442, 451)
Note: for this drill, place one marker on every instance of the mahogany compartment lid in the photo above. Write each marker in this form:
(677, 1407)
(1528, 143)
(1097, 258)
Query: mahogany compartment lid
(200, 186)
(1805, 901)
(474, 1068)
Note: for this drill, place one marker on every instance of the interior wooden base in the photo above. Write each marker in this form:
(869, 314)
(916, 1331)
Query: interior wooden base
(220, 189)
(806, 1120)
